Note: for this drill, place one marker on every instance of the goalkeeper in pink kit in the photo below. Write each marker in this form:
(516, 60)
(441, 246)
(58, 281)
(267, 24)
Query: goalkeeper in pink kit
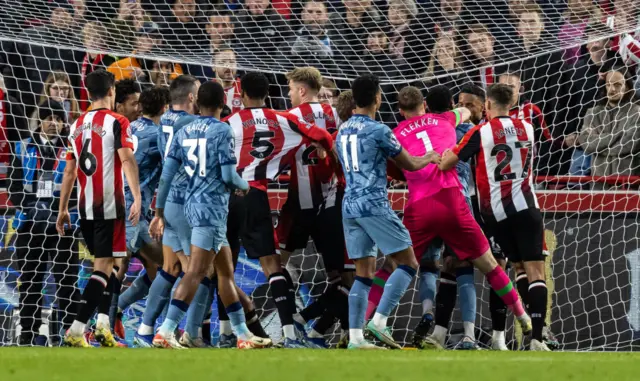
(436, 207)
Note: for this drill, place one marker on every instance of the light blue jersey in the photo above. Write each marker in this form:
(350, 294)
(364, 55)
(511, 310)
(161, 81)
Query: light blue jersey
(201, 149)
(363, 146)
(145, 143)
(170, 123)
(464, 167)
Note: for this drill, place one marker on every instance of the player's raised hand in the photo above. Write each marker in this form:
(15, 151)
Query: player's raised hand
(134, 212)
(63, 219)
(322, 153)
(156, 228)
(241, 192)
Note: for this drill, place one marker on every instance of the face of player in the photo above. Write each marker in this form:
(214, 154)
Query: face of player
(315, 17)
(481, 45)
(615, 86)
(297, 91)
(184, 9)
(474, 104)
(257, 7)
(377, 42)
(130, 108)
(325, 96)
(220, 28)
(530, 26)
(59, 91)
(515, 84)
(52, 126)
(226, 66)
(397, 16)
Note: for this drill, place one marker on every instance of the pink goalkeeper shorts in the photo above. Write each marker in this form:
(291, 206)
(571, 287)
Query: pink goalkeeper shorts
(446, 215)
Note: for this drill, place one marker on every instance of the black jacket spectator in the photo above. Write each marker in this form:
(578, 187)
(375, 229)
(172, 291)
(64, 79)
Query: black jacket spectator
(181, 28)
(262, 38)
(348, 35)
(33, 193)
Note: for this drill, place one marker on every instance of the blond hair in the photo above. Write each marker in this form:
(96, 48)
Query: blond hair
(345, 105)
(410, 98)
(310, 76)
(54, 77)
(432, 61)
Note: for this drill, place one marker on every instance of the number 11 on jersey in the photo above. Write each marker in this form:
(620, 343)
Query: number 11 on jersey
(353, 148)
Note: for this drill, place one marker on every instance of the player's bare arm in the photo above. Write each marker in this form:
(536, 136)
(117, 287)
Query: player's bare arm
(464, 113)
(415, 163)
(448, 161)
(68, 179)
(130, 168)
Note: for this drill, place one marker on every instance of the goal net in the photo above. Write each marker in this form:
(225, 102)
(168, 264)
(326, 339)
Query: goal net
(573, 66)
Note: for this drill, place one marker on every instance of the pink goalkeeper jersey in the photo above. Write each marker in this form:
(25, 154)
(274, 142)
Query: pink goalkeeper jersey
(424, 133)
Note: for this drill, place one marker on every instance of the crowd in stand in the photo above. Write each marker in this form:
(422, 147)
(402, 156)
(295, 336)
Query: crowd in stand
(573, 84)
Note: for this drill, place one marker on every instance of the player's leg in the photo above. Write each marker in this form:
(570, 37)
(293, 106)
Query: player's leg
(258, 238)
(105, 239)
(467, 296)
(498, 312)
(529, 236)
(192, 336)
(140, 286)
(475, 248)
(233, 303)
(445, 303)
(429, 272)
(392, 238)
(379, 280)
(201, 257)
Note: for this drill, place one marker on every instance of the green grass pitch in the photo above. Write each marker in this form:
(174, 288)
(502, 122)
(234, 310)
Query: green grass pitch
(70, 364)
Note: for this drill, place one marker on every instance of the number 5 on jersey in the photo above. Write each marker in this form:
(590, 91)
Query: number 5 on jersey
(352, 141)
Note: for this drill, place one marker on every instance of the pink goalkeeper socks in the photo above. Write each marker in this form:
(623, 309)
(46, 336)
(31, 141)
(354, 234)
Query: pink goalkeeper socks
(501, 284)
(379, 280)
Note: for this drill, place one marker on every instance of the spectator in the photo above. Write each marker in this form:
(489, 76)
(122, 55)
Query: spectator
(180, 27)
(225, 67)
(405, 35)
(220, 30)
(347, 33)
(538, 60)
(312, 39)
(36, 173)
(611, 129)
(445, 66)
(46, 53)
(328, 92)
(480, 55)
(93, 35)
(261, 32)
(130, 20)
(379, 60)
(578, 15)
(13, 125)
(580, 93)
(627, 22)
(148, 42)
(57, 87)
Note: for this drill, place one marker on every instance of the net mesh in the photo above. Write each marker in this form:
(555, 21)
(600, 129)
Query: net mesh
(562, 52)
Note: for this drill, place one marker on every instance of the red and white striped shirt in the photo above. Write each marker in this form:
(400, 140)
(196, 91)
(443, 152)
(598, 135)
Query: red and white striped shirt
(503, 148)
(308, 184)
(532, 114)
(95, 139)
(266, 140)
(232, 97)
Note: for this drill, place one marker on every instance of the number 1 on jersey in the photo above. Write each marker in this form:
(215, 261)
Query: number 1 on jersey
(353, 144)
(425, 140)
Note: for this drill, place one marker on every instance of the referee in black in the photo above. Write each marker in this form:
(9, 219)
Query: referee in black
(35, 176)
